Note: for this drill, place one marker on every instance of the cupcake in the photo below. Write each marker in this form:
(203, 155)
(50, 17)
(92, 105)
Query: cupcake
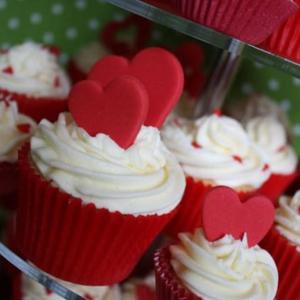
(283, 242)
(86, 57)
(249, 21)
(25, 288)
(213, 150)
(225, 269)
(31, 76)
(120, 199)
(285, 41)
(268, 133)
(139, 289)
(15, 129)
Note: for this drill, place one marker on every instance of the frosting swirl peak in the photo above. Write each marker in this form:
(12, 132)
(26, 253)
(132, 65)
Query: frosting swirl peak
(225, 269)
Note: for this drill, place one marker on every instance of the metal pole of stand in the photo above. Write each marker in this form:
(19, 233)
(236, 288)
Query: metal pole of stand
(220, 80)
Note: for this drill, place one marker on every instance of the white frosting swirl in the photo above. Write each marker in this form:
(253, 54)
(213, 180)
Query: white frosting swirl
(88, 56)
(288, 218)
(31, 290)
(11, 138)
(224, 270)
(270, 135)
(225, 155)
(36, 72)
(145, 179)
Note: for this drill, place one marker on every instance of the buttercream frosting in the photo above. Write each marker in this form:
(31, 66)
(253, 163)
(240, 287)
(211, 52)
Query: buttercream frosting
(33, 71)
(288, 218)
(89, 55)
(225, 269)
(216, 149)
(269, 134)
(11, 137)
(145, 179)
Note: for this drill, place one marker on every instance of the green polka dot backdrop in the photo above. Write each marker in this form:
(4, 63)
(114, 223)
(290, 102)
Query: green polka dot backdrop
(71, 24)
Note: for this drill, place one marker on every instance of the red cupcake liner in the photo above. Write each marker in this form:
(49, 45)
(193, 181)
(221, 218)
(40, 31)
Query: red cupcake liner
(276, 185)
(285, 41)
(249, 20)
(144, 292)
(8, 185)
(75, 73)
(189, 216)
(287, 259)
(37, 108)
(168, 285)
(16, 283)
(75, 241)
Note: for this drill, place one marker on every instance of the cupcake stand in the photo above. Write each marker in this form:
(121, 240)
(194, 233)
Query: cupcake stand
(221, 77)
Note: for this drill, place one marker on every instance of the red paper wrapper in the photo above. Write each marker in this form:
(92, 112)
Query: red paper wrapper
(168, 285)
(249, 20)
(8, 185)
(189, 216)
(37, 108)
(285, 41)
(75, 73)
(287, 259)
(276, 185)
(75, 241)
(16, 287)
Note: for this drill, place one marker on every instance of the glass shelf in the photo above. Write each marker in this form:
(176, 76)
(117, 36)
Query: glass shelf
(37, 275)
(168, 18)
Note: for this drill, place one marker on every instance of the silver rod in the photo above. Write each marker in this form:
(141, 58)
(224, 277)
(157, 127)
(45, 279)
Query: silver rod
(37, 275)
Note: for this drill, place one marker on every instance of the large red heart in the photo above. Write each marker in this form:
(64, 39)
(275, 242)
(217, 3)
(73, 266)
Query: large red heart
(224, 213)
(109, 35)
(159, 71)
(118, 110)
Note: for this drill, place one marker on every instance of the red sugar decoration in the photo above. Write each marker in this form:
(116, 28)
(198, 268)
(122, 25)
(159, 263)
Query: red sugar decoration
(217, 112)
(237, 158)
(224, 213)
(8, 70)
(56, 82)
(48, 291)
(88, 297)
(266, 167)
(196, 145)
(24, 127)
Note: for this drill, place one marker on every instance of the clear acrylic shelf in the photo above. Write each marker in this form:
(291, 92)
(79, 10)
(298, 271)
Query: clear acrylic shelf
(171, 20)
(37, 275)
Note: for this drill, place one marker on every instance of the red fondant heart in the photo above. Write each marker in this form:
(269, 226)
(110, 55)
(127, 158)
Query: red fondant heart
(118, 110)
(157, 69)
(109, 35)
(223, 213)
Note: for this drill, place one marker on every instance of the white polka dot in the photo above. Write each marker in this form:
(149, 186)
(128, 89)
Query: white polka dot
(118, 17)
(258, 65)
(48, 37)
(157, 34)
(94, 24)
(13, 23)
(80, 4)
(71, 33)
(296, 129)
(3, 4)
(285, 104)
(63, 58)
(273, 85)
(296, 81)
(36, 18)
(57, 9)
(247, 88)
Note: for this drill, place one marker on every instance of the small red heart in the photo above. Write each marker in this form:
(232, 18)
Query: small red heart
(8, 70)
(118, 110)
(159, 71)
(24, 127)
(109, 35)
(224, 213)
